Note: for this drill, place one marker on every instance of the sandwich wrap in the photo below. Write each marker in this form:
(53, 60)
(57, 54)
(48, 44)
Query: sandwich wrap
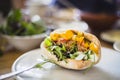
(72, 49)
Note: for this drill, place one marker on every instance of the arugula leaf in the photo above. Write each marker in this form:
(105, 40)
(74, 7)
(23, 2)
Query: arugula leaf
(87, 53)
(30, 30)
(39, 65)
(17, 25)
(73, 56)
(73, 48)
(58, 52)
(14, 15)
(63, 48)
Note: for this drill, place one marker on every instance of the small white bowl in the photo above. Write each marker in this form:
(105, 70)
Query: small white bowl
(116, 46)
(25, 43)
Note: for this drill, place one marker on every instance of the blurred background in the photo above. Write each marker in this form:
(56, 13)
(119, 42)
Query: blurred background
(95, 16)
(99, 15)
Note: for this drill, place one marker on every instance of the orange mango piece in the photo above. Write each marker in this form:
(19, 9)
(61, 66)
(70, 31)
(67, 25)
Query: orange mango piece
(74, 37)
(67, 35)
(93, 47)
(79, 39)
(80, 34)
(86, 44)
(54, 36)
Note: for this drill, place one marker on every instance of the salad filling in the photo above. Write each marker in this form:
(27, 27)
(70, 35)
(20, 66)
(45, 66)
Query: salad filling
(71, 44)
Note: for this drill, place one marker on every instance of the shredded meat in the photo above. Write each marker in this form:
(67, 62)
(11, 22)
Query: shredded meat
(81, 47)
(61, 41)
(67, 43)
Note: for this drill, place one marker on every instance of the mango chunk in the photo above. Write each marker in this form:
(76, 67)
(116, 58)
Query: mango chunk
(80, 34)
(79, 39)
(67, 35)
(54, 36)
(93, 47)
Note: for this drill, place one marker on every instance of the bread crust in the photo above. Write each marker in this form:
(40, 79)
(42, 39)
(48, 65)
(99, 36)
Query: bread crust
(72, 63)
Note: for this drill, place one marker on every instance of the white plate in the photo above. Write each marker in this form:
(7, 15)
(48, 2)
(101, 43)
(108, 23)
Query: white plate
(111, 35)
(116, 46)
(106, 69)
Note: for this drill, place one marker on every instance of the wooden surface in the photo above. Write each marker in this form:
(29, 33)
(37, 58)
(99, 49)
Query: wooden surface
(9, 57)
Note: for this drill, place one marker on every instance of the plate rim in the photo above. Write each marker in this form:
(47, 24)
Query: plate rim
(104, 33)
(23, 55)
(115, 46)
(17, 60)
(26, 53)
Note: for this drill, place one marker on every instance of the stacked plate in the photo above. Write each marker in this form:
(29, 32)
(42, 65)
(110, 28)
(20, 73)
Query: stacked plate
(112, 36)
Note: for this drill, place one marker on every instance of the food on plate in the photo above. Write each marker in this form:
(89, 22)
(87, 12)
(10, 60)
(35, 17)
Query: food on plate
(72, 49)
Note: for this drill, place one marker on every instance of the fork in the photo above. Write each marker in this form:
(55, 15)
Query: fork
(11, 74)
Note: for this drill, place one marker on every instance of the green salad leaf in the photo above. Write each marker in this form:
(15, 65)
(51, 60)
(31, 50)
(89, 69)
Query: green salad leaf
(63, 48)
(88, 54)
(48, 42)
(73, 56)
(14, 15)
(58, 52)
(39, 65)
(17, 24)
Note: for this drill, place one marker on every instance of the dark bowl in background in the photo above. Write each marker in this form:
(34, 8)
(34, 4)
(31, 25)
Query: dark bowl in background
(99, 22)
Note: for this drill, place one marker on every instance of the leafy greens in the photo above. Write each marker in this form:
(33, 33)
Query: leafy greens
(16, 24)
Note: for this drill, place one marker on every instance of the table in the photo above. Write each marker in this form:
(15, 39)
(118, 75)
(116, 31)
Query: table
(9, 57)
